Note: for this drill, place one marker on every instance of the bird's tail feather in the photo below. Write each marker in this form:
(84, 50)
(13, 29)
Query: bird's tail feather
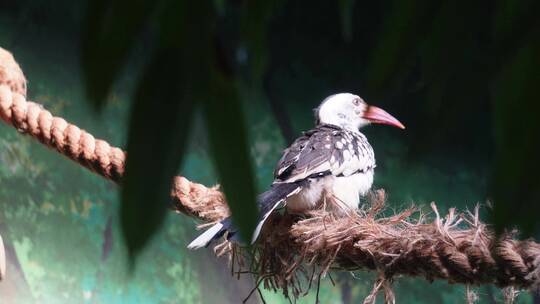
(211, 234)
(267, 201)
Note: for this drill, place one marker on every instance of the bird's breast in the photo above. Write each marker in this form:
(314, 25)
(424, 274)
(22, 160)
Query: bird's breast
(338, 194)
(345, 192)
(310, 196)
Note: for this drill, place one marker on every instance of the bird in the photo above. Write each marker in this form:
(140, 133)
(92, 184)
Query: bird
(330, 166)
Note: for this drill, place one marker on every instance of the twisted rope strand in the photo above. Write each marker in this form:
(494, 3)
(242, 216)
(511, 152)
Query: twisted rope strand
(94, 154)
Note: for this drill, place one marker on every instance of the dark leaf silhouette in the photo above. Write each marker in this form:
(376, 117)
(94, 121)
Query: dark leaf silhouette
(254, 22)
(159, 125)
(110, 30)
(516, 188)
(404, 26)
(211, 72)
(228, 138)
(178, 74)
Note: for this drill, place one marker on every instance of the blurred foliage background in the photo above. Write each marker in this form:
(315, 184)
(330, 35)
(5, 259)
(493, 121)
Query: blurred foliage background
(216, 90)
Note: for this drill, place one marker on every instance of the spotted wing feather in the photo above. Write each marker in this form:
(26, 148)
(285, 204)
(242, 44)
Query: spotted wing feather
(324, 150)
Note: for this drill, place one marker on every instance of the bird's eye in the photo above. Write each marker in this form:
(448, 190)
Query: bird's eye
(356, 101)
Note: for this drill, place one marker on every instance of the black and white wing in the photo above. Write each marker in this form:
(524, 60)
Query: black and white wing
(322, 151)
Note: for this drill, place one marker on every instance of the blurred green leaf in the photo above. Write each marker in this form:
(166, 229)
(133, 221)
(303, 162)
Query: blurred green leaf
(403, 28)
(184, 69)
(110, 30)
(228, 139)
(212, 79)
(515, 183)
(159, 125)
(254, 23)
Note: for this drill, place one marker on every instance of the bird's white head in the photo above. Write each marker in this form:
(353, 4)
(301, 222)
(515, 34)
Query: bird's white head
(351, 112)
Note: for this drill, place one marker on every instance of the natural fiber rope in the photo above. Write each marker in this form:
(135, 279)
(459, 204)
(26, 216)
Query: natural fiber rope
(80, 146)
(442, 249)
(457, 248)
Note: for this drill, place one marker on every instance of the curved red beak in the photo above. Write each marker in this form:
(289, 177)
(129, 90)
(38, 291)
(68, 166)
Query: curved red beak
(380, 116)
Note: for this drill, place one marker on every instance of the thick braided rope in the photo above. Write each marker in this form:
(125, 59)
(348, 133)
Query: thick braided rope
(458, 248)
(393, 246)
(80, 146)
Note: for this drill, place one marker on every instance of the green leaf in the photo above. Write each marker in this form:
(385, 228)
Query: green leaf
(228, 139)
(255, 18)
(110, 30)
(403, 28)
(159, 125)
(515, 182)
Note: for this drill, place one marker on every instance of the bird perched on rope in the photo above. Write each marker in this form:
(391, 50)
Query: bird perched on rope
(329, 167)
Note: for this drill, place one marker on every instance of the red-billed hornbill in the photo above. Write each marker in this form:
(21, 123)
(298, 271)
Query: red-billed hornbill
(330, 166)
